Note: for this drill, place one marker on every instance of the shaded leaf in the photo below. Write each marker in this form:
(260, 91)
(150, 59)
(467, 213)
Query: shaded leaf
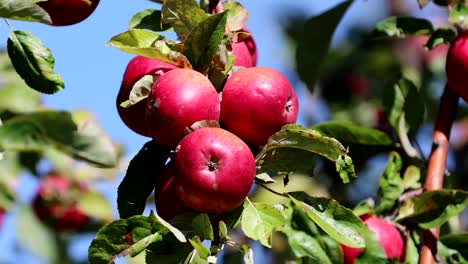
(26, 10)
(336, 220)
(183, 16)
(293, 138)
(259, 221)
(149, 44)
(202, 227)
(138, 182)
(140, 90)
(304, 245)
(148, 19)
(203, 41)
(440, 36)
(34, 62)
(458, 242)
(391, 184)
(43, 129)
(433, 208)
(402, 27)
(314, 42)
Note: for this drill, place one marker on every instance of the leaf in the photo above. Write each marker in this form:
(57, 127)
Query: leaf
(30, 230)
(203, 41)
(440, 36)
(373, 252)
(391, 184)
(458, 242)
(402, 27)
(293, 138)
(202, 251)
(26, 10)
(458, 14)
(412, 251)
(148, 44)
(183, 16)
(202, 227)
(33, 62)
(304, 245)
(404, 98)
(364, 207)
(140, 90)
(43, 129)
(315, 40)
(350, 133)
(126, 237)
(433, 208)
(259, 221)
(412, 178)
(449, 255)
(148, 19)
(138, 182)
(284, 161)
(336, 220)
(95, 205)
(237, 15)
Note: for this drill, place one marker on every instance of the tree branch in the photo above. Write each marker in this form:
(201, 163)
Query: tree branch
(437, 163)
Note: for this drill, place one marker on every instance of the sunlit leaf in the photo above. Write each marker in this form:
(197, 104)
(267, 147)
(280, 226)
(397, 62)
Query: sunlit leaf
(26, 10)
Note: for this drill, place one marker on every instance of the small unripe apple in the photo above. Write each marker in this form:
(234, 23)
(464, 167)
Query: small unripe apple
(456, 67)
(139, 66)
(178, 99)
(389, 239)
(56, 203)
(216, 170)
(68, 12)
(168, 203)
(256, 103)
(244, 50)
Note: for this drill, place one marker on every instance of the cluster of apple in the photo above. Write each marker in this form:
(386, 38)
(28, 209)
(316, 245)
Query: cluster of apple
(213, 167)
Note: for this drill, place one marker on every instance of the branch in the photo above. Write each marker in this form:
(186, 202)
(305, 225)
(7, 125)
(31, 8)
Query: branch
(437, 163)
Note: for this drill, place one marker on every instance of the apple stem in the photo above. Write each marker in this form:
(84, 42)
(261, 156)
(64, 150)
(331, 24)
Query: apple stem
(437, 165)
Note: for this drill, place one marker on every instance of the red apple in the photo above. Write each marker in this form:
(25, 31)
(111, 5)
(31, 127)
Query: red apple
(389, 238)
(216, 170)
(178, 99)
(168, 203)
(456, 67)
(139, 66)
(55, 203)
(68, 12)
(2, 215)
(244, 50)
(256, 103)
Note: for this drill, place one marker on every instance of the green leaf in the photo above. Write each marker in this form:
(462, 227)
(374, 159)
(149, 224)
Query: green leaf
(458, 242)
(458, 14)
(138, 182)
(404, 99)
(402, 27)
(304, 245)
(43, 129)
(314, 42)
(237, 15)
(149, 44)
(30, 230)
(412, 251)
(140, 90)
(202, 251)
(94, 204)
(203, 41)
(364, 207)
(34, 62)
(449, 255)
(148, 19)
(440, 36)
(202, 227)
(433, 208)
(26, 10)
(373, 252)
(126, 237)
(293, 138)
(336, 220)
(391, 184)
(183, 16)
(412, 178)
(283, 161)
(259, 221)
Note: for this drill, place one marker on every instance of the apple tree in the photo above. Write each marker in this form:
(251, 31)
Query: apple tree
(226, 168)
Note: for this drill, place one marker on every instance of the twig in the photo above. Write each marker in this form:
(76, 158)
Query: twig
(271, 190)
(436, 166)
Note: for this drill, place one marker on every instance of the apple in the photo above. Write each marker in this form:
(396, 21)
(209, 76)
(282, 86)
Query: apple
(56, 203)
(2, 215)
(244, 50)
(68, 12)
(389, 238)
(456, 67)
(139, 66)
(216, 170)
(256, 103)
(178, 99)
(168, 203)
